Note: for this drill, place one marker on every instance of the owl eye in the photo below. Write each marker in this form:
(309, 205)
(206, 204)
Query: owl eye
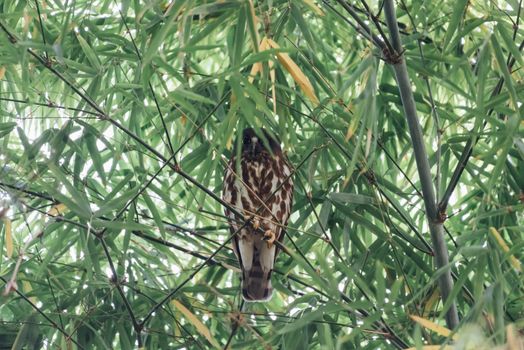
(246, 140)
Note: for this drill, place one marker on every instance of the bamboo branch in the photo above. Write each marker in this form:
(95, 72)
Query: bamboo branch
(435, 224)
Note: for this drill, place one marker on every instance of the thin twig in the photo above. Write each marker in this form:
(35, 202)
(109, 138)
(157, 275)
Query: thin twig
(375, 21)
(362, 27)
(235, 326)
(351, 10)
(42, 29)
(49, 105)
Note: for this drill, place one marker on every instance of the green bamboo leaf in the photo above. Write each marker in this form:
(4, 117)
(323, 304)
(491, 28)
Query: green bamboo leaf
(513, 120)
(154, 211)
(77, 199)
(95, 155)
(189, 95)
(252, 25)
(239, 34)
(213, 8)
(28, 336)
(458, 12)
(6, 128)
(159, 35)
(297, 16)
(325, 336)
(89, 52)
(510, 43)
(352, 198)
(116, 203)
(120, 225)
(80, 66)
(380, 283)
(309, 317)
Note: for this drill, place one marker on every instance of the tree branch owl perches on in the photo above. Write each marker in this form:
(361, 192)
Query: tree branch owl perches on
(263, 188)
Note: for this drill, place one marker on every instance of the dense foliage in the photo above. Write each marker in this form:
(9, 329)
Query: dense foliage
(117, 118)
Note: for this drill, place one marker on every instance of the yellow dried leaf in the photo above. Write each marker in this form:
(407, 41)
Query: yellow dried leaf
(314, 7)
(229, 142)
(2, 72)
(176, 327)
(201, 328)
(273, 87)
(26, 22)
(8, 238)
(351, 129)
(514, 261)
(346, 181)
(26, 286)
(298, 76)
(264, 44)
(368, 143)
(443, 331)
(430, 303)
(257, 67)
(44, 12)
(57, 209)
(514, 342)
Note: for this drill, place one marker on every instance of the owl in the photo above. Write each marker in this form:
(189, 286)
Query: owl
(262, 188)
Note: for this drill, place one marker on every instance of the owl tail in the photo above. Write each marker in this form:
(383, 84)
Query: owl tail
(256, 284)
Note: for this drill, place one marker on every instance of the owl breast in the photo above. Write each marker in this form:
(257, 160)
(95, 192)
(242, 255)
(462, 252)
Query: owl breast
(263, 186)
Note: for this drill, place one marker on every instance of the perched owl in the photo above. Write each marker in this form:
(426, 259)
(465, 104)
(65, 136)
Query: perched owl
(263, 182)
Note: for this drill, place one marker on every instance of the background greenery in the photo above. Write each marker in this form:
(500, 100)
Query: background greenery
(117, 118)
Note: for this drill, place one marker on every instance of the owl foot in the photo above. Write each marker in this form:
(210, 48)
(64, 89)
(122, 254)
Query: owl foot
(269, 237)
(251, 220)
(255, 223)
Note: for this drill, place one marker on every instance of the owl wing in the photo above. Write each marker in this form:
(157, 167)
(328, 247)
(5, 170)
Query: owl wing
(286, 197)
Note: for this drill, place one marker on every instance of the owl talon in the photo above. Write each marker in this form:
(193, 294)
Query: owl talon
(255, 223)
(269, 237)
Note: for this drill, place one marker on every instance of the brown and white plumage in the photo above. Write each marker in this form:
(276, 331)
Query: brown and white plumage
(263, 188)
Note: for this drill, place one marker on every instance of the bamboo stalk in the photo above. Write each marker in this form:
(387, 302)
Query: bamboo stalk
(435, 224)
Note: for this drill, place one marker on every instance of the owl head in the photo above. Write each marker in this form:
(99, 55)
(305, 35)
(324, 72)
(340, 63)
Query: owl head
(253, 146)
